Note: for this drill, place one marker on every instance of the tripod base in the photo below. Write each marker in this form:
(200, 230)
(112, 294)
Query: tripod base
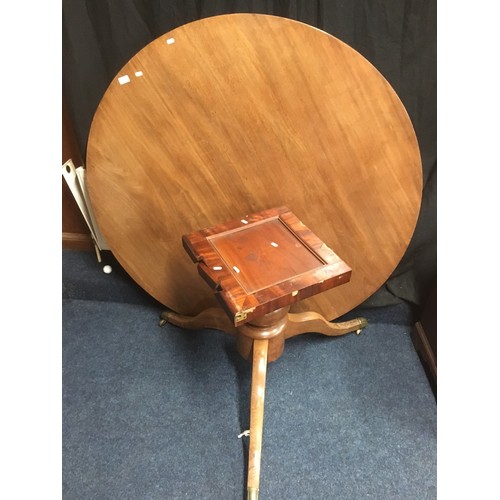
(261, 341)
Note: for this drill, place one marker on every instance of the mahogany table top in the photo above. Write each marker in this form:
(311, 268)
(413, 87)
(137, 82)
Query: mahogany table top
(239, 113)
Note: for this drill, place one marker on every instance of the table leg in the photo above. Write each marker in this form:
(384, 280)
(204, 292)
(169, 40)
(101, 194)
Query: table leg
(259, 368)
(212, 317)
(311, 322)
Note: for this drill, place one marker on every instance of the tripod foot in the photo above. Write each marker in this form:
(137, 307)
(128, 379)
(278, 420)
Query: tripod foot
(259, 368)
(311, 322)
(213, 318)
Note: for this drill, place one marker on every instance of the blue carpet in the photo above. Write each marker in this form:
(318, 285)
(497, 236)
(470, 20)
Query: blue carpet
(154, 412)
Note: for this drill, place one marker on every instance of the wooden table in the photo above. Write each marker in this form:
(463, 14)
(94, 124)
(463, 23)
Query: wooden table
(224, 119)
(258, 266)
(239, 113)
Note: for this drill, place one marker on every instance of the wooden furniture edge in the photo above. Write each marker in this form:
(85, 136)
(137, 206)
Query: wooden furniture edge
(424, 351)
(77, 241)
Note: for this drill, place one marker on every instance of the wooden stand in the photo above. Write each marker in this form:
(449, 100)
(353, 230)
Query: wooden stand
(258, 266)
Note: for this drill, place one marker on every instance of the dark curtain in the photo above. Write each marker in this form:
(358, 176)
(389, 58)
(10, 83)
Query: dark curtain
(397, 36)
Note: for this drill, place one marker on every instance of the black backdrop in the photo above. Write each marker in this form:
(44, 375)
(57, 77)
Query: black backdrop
(397, 36)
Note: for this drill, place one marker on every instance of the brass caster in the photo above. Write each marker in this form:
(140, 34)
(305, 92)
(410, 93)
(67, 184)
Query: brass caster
(252, 494)
(164, 318)
(363, 323)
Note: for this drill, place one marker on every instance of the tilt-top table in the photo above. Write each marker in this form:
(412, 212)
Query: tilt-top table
(237, 114)
(258, 266)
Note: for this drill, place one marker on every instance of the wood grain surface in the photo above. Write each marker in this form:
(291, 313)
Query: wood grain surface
(264, 262)
(257, 399)
(239, 113)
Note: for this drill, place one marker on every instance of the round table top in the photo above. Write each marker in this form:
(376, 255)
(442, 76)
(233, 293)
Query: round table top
(239, 113)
